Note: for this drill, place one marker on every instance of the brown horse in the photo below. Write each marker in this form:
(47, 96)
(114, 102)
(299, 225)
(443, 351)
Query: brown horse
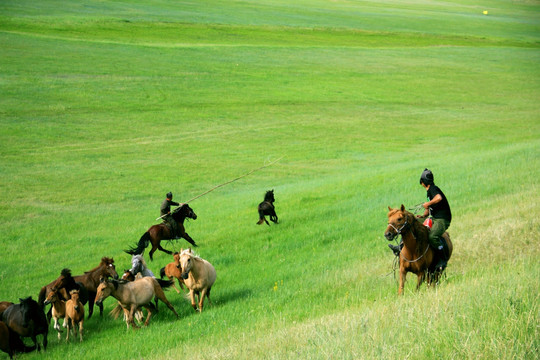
(159, 232)
(173, 270)
(3, 306)
(58, 310)
(74, 314)
(416, 256)
(88, 282)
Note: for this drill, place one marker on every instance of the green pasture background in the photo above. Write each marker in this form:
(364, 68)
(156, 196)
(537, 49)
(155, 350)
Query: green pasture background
(105, 106)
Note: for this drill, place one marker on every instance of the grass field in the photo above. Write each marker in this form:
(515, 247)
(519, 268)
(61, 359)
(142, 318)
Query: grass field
(105, 106)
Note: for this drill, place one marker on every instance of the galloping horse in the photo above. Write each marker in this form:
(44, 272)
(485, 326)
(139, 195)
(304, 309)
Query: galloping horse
(159, 232)
(199, 276)
(173, 270)
(267, 208)
(135, 294)
(74, 314)
(58, 310)
(27, 319)
(416, 256)
(89, 281)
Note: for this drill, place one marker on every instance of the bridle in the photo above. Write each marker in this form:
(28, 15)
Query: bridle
(399, 232)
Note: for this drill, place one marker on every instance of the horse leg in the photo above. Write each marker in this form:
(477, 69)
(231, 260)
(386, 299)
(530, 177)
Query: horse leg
(203, 293)
(164, 250)
(80, 329)
(419, 280)
(192, 297)
(174, 286)
(131, 316)
(402, 278)
(150, 309)
(188, 238)
(69, 326)
(158, 291)
(151, 253)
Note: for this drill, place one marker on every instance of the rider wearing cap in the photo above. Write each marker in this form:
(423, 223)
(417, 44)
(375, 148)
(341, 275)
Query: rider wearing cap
(441, 214)
(166, 213)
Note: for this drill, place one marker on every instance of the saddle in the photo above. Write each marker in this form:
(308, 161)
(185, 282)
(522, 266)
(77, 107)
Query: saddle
(171, 225)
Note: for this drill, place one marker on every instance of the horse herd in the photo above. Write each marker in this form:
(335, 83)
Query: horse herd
(138, 286)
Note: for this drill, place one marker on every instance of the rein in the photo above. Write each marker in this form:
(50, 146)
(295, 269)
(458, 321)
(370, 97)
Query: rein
(399, 232)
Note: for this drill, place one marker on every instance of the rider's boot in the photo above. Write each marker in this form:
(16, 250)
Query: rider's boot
(442, 259)
(396, 248)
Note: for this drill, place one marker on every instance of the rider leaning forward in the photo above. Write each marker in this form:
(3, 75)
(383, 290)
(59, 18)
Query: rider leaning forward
(165, 210)
(441, 214)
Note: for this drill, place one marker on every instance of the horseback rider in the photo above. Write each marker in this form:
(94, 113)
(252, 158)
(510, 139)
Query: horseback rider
(441, 214)
(166, 214)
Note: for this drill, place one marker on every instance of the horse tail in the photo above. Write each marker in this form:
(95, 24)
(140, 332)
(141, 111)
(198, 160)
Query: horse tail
(116, 311)
(164, 283)
(141, 245)
(162, 272)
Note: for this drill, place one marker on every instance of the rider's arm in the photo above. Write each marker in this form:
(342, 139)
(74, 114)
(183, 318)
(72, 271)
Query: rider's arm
(433, 201)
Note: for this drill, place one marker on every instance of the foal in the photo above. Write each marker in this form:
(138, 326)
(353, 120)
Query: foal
(74, 314)
(58, 309)
(173, 269)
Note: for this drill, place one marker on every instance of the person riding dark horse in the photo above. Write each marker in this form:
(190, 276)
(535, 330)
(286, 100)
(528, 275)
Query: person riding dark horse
(438, 208)
(166, 215)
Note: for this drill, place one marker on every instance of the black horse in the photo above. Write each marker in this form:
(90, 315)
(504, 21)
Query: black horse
(163, 231)
(267, 208)
(27, 319)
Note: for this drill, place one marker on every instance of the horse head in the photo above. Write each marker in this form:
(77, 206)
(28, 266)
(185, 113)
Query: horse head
(186, 263)
(75, 298)
(105, 289)
(108, 268)
(269, 196)
(128, 275)
(398, 221)
(182, 212)
(26, 310)
(51, 296)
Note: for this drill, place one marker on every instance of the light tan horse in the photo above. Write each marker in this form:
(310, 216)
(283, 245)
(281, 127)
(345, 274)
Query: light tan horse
(74, 314)
(133, 295)
(417, 256)
(58, 309)
(173, 270)
(199, 276)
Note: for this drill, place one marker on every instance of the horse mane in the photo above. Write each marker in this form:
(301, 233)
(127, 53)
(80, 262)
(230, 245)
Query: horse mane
(65, 273)
(190, 253)
(420, 232)
(140, 257)
(104, 261)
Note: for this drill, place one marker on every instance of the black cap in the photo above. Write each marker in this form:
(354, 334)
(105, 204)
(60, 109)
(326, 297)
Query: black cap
(169, 195)
(427, 177)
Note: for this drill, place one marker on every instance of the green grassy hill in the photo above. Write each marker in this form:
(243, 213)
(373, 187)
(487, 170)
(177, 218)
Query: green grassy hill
(107, 106)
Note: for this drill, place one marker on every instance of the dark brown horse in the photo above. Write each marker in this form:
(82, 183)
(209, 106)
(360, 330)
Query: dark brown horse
(266, 208)
(88, 282)
(159, 232)
(416, 256)
(27, 319)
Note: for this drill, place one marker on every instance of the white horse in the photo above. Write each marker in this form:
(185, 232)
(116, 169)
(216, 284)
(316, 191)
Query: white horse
(199, 276)
(138, 265)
